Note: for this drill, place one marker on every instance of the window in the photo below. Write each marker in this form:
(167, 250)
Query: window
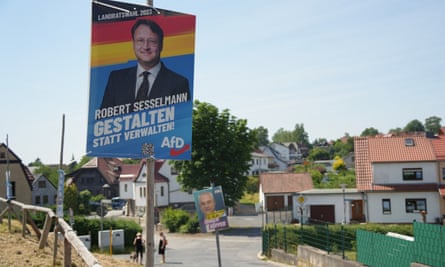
(2, 155)
(386, 206)
(412, 174)
(409, 142)
(42, 184)
(162, 191)
(37, 200)
(413, 205)
(12, 188)
(45, 199)
(443, 173)
(126, 188)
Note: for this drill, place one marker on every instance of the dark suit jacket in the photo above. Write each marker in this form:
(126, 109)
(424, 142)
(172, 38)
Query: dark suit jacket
(121, 86)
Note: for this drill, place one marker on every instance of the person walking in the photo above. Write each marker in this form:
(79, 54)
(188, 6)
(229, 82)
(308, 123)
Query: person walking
(162, 245)
(138, 243)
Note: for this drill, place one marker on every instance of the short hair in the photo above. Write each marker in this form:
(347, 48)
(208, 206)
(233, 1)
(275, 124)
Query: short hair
(154, 27)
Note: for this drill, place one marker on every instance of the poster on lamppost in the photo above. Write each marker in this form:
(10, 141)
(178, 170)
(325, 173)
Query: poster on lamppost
(141, 81)
(211, 209)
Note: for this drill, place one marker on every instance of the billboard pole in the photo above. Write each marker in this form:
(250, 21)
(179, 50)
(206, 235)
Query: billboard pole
(149, 210)
(148, 149)
(212, 185)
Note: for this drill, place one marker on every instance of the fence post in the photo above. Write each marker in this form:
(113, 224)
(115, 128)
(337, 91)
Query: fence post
(284, 238)
(276, 235)
(328, 247)
(301, 233)
(265, 242)
(343, 241)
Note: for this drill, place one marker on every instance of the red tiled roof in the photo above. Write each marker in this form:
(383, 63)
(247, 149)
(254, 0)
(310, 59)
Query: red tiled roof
(285, 182)
(439, 147)
(369, 150)
(393, 149)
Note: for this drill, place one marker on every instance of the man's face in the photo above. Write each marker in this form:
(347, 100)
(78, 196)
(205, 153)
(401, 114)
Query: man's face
(147, 46)
(206, 203)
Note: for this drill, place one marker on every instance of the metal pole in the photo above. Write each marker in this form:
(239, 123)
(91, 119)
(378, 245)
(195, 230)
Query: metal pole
(148, 149)
(343, 186)
(217, 235)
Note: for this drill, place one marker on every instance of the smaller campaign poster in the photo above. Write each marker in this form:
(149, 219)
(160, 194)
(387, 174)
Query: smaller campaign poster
(211, 209)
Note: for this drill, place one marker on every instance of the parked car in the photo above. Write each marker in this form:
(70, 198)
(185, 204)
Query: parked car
(118, 203)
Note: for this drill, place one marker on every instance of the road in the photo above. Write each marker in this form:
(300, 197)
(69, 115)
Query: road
(239, 246)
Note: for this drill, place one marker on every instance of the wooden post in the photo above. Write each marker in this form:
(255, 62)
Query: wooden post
(149, 214)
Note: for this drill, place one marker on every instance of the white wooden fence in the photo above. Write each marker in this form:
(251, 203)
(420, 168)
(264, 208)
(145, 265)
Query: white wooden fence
(70, 240)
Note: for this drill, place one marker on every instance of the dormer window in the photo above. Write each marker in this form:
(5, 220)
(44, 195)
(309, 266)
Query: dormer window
(409, 142)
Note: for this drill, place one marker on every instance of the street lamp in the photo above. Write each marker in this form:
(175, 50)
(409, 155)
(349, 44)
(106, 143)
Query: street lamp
(105, 186)
(343, 186)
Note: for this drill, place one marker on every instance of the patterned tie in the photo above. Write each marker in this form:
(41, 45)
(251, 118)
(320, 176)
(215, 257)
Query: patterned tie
(143, 90)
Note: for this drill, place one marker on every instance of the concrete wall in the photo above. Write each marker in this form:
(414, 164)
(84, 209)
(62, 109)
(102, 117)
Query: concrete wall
(312, 257)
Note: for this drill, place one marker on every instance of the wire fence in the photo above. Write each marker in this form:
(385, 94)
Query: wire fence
(334, 238)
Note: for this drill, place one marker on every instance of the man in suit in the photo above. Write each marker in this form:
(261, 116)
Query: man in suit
(150, 78)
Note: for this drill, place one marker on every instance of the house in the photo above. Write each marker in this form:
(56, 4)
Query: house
(334, 205)
(133, 187)
(401, 177)
(112, 178)
(44, 193)
(20, 178)
(279, 154)
(295, 155)
(99, 176)
(259, 163)
(277, 188)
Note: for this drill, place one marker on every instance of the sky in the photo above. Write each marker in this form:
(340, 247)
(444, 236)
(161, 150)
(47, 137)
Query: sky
(335, 66)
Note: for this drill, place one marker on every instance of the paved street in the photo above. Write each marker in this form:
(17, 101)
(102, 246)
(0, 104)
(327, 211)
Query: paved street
(238, 247)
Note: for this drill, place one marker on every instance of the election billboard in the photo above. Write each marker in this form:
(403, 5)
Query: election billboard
(141, 81)
(211, 209)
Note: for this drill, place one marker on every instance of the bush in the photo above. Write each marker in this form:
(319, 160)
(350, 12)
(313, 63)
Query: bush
(173, 219)
(192, 225)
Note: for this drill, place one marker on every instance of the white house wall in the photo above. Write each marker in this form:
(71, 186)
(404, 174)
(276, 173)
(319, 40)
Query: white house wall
(398, 210)
(392, 173)
(126, 190)
(326, 199)
(174, 188)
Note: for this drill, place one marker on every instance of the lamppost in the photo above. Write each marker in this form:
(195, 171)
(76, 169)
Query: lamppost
(104, 187)
(343, 186)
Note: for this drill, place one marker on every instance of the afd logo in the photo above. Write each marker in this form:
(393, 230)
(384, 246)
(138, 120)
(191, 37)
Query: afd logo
(176, 145)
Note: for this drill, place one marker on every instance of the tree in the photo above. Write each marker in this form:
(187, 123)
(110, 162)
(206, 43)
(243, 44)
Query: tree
(261, 136)
(371, 131)
(343, 148)
(50, 173)
(432, 124)
(71, 198)
(282, 136)
(339, 164)
(319, 154)
(396, 131)
(36, 163)
(414, 126)
(221, 152)
(298, 135)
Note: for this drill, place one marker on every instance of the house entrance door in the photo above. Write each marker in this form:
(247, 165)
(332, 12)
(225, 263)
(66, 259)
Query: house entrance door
(357, 211)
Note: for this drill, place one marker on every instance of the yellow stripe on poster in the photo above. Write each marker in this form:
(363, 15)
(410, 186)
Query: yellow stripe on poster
(116, 53)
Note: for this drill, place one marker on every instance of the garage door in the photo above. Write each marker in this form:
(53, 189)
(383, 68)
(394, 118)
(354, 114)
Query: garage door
(323, 213)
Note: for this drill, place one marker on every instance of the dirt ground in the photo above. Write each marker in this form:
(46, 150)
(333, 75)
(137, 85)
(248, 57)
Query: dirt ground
(18, 251)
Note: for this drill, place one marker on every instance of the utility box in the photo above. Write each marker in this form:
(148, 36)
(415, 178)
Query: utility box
(86, 240)
(116, 236)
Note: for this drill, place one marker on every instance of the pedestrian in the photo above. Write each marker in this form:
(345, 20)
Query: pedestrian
(139, 243)
(162, 245)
